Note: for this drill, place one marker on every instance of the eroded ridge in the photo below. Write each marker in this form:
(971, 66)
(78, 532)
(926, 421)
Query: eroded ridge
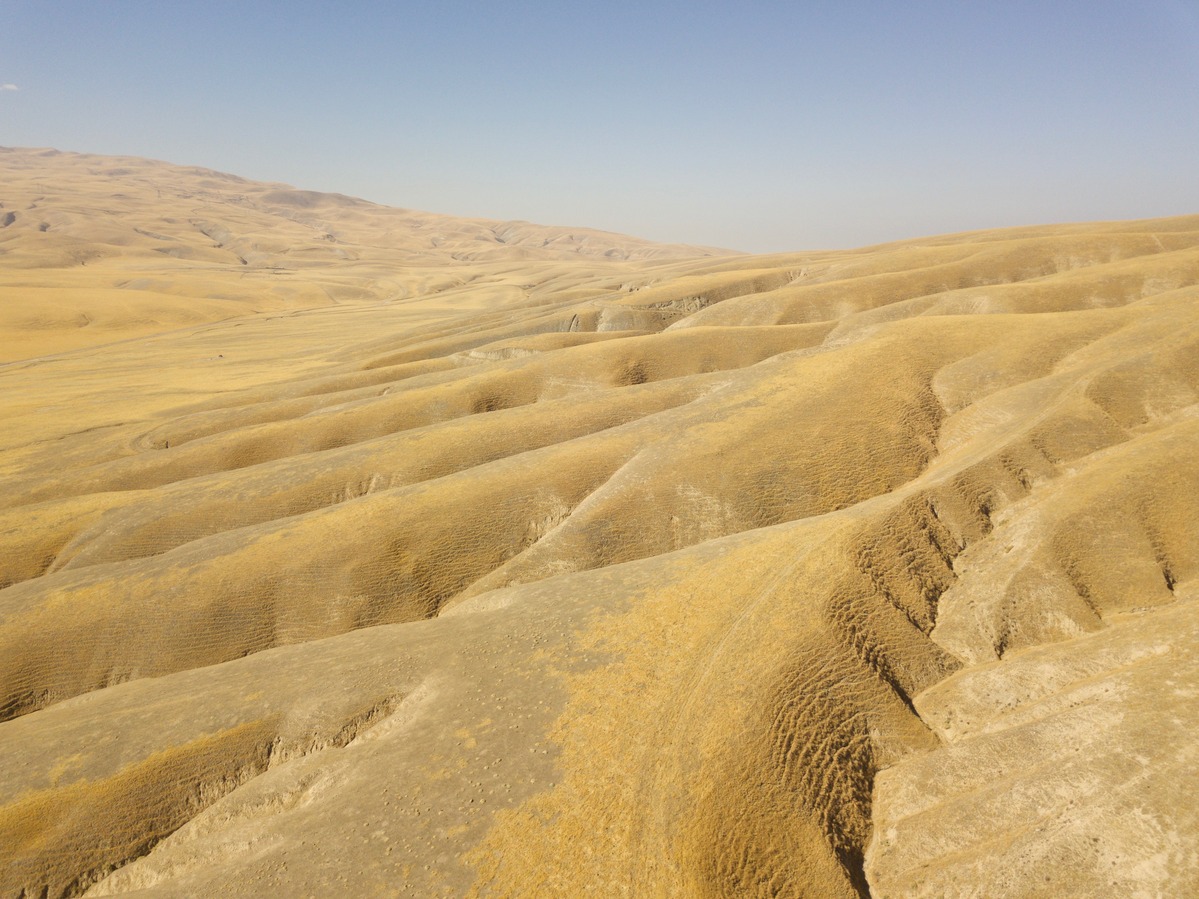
(406, 554)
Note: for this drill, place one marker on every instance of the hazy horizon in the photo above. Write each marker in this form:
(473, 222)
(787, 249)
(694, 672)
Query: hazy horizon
(761, 129)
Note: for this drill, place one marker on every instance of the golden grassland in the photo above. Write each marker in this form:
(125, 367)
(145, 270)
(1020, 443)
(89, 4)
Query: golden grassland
(354, 550)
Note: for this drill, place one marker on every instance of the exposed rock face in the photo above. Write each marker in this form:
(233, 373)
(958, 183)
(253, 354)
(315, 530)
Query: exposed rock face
(569, 567)
(1070, 757)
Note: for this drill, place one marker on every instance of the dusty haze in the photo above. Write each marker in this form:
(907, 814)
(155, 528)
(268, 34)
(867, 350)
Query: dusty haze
(349, 550)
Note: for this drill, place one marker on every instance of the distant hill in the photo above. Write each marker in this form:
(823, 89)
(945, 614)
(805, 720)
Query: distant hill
(74, 228)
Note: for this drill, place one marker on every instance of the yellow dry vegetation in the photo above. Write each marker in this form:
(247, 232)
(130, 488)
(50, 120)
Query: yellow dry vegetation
(353, 550)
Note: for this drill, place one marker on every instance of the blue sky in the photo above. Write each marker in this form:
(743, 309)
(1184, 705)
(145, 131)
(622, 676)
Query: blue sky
(757, 126)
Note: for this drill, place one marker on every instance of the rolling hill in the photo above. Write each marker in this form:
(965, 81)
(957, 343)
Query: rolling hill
(355, 550)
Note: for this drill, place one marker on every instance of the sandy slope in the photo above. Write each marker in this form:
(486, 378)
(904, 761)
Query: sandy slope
(426, 562)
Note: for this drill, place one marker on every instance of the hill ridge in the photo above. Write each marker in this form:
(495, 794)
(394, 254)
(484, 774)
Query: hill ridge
(839, 573)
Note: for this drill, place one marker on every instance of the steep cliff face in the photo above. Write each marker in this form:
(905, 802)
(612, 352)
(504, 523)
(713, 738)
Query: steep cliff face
(557, 566)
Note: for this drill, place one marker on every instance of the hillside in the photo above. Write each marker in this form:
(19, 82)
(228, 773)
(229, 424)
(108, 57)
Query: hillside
(355, 551)
(98, 248)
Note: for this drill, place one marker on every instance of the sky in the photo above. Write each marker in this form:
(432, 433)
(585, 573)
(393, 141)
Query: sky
(753, 126)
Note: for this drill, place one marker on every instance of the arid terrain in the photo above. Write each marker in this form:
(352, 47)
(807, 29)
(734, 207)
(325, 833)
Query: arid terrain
(354, 551)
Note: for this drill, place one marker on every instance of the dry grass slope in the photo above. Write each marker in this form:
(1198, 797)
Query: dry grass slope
(355, 550)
